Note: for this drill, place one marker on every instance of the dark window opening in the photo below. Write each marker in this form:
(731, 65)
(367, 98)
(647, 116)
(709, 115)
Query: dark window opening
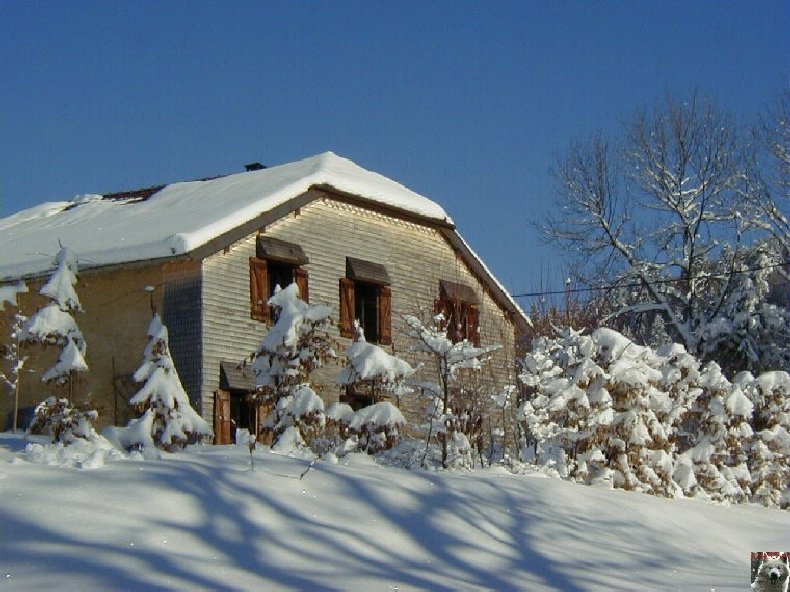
(365, 296)
(277, 263)
(242, 412)
(280, 274)
(366, 309)
(458, 305)
(358, 397)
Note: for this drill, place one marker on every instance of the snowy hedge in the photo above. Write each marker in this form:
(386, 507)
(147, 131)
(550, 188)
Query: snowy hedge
(601, 409)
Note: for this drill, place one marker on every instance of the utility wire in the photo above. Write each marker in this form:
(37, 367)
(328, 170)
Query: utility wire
(640, 284)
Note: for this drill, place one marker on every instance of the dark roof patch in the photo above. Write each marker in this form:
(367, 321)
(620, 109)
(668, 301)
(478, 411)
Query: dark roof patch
(135, 195)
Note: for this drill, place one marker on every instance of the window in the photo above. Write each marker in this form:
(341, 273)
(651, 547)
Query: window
(458, 304)
(365, 295)
(276, 263)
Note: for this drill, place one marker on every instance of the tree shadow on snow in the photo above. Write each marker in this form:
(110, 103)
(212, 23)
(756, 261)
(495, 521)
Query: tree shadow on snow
(423, 532)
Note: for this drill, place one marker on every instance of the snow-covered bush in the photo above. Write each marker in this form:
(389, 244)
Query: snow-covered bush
(168, 421)
(298, 343)
(770, 454)
(451, 410)
(377, 426)
(303, 411)
(338, 417)
(64, 423)
(601, 409)
(370, 369)
(720, 416)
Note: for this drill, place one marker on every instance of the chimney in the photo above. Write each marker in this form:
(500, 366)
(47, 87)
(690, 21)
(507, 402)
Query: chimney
(254, 166)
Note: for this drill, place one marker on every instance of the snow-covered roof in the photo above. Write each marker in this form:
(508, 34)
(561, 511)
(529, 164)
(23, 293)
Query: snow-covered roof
(181, 217)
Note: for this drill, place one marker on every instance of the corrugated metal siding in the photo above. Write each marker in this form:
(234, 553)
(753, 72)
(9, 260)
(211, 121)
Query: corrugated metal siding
(416, 258)
(182, 316)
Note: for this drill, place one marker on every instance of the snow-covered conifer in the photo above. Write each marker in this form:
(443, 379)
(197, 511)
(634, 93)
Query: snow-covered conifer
(54, 324)
(302, 411)
(65, 423)
(338, 417)
(171, 421)
(298, 343)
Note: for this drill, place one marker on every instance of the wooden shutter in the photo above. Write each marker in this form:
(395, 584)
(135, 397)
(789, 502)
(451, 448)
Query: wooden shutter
(300, 277)
(385, 315)
(222, 417)
(259, 289)
(346, 324)
(473, 324)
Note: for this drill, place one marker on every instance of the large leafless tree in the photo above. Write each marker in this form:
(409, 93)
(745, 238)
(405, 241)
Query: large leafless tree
(662, 216)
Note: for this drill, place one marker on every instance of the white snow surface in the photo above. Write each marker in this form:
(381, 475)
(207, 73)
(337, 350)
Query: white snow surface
(183, 216)
(202, 520)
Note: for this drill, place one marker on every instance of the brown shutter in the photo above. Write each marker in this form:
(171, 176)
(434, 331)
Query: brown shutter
(346, 324)
(222, 417)
(259, 289)
(385, 315)
(300, 277)
(473, 324)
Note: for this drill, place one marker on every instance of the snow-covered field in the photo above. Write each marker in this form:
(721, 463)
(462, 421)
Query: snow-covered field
(203, 520)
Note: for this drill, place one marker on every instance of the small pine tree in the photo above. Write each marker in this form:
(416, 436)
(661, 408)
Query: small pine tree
(298, 343)
(54, 324)
(171, 421)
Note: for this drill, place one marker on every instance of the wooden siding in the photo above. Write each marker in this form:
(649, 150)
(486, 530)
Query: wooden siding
(416, 257)
(182, 316)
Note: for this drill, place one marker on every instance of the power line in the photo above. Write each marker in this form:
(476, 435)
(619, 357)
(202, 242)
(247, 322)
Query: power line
(640, 284)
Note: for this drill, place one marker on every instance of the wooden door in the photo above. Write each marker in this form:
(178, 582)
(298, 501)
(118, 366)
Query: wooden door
(222, 417)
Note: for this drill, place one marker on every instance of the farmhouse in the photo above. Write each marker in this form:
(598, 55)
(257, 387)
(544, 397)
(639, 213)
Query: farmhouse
(207, 255)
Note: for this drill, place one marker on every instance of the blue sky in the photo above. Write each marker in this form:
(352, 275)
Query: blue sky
(468, 103)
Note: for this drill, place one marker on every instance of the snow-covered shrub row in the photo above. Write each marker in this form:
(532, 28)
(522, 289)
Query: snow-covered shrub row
(603, 410)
